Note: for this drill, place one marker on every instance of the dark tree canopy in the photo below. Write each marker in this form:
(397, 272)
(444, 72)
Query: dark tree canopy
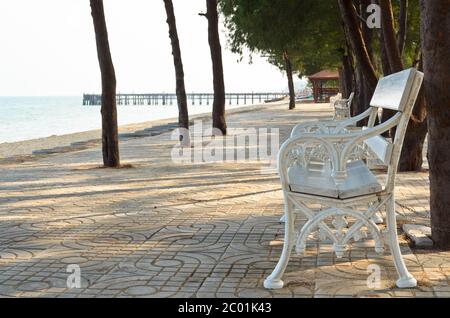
(309, 30)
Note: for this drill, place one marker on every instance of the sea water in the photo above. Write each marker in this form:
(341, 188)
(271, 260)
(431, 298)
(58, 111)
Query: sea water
(24, 118)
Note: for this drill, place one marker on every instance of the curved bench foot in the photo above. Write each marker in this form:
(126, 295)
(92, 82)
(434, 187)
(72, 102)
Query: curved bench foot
(406, 282)
(273, 283)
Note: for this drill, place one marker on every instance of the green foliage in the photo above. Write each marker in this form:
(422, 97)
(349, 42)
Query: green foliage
(309, 30)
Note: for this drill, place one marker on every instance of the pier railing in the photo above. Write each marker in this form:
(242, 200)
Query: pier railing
(193, 98)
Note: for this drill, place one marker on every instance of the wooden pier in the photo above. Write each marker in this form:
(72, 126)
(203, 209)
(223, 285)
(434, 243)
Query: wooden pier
(193, 98)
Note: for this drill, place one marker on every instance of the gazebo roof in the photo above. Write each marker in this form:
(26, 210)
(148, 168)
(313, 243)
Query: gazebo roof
(325, 75)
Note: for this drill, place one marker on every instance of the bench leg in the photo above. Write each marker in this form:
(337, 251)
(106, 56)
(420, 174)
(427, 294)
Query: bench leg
(274, 280)
(283, 218)
(406, 280)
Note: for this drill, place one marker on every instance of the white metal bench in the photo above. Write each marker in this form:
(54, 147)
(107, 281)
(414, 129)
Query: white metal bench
(321, 164)
(342, 107)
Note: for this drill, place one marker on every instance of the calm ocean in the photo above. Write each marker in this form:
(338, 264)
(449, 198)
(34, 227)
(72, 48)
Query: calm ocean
(24, 118)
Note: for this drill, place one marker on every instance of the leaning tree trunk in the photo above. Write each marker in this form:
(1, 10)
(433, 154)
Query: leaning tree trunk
(183, 116)
(364, 59)
(390, 39)
(110, 139)
(365, 30)
(435, 28)
(291, 86)
(356, 40)
(219, 121)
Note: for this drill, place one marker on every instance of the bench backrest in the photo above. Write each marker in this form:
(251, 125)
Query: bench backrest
(394, 91)
(397, 92)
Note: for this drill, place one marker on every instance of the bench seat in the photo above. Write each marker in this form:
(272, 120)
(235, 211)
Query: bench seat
(360, 181)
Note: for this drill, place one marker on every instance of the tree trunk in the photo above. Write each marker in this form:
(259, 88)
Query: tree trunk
(366, 31)
(366, 91)
(347, 71)
(411, 158)
(110, 138)
(288, 66)
(347, 80)
(219, 121)
(402, 25)
(356, 40)
(390, 40)
(183, 116)
(363, 96)
(386, 68)
(390, 49)
(435, 28)
(359, 92)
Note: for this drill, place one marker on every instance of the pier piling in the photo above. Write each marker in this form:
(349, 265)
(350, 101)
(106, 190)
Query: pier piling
(195, 98)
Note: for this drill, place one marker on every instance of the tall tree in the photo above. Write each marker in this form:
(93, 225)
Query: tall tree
(411, 158)
(435, 28)
(389, 36)
(183, 116)
(393, 60)
(218, 114)
(110, 138)
(385, 66)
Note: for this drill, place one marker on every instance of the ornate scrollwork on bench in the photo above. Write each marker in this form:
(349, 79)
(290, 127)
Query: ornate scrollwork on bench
(321, 164)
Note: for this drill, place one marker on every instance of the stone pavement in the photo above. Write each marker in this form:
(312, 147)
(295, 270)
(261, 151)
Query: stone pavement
(165, 229)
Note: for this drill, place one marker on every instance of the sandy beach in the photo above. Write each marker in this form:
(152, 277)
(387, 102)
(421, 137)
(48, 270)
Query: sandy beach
(27, 149)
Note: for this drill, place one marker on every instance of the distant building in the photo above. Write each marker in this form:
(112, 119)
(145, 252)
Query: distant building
(325, 84)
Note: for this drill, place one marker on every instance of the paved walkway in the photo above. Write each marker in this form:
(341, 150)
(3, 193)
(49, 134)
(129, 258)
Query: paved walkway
(162, 229)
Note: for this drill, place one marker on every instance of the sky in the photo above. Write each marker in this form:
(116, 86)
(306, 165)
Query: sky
(47, 48)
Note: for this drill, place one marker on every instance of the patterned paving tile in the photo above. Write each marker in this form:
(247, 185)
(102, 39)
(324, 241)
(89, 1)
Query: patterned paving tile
(163, 229)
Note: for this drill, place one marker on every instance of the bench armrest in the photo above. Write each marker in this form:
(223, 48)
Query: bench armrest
(328, 126)
(338, 149)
